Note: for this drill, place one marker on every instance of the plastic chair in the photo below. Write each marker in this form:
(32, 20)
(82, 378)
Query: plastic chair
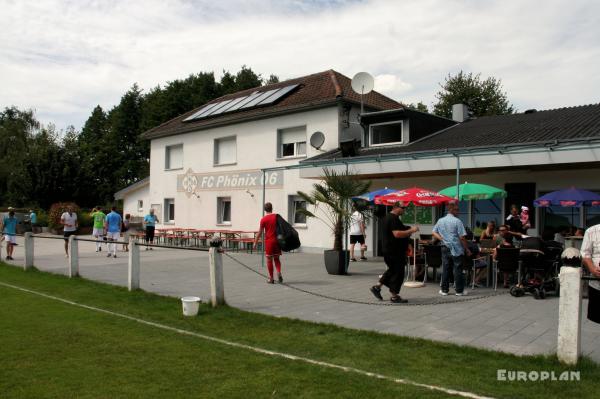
(433, 258)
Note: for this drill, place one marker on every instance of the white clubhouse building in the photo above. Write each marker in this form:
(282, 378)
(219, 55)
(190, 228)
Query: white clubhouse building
(206, 166)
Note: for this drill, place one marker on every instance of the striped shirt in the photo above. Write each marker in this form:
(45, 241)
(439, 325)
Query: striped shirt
(590, 248)
(451, 229)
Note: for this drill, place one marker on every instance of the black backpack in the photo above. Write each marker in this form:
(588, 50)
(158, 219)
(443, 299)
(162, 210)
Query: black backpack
(287, 236)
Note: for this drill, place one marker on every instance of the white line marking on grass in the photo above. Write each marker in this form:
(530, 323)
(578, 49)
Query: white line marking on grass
(256, 349)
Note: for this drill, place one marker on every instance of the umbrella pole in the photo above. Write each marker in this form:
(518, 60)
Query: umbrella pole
(414, 283)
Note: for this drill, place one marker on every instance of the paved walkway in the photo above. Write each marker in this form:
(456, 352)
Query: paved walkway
(498, 322)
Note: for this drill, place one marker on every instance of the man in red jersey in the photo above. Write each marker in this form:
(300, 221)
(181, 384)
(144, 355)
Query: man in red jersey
(268, 224)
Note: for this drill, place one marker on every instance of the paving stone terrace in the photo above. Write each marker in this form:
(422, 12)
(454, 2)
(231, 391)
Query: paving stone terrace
(486, 319)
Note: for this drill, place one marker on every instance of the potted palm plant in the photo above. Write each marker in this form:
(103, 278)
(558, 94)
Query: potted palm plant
(333, 196)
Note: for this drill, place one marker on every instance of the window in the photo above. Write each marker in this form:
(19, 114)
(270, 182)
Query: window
(140, 205)
(386, 133)
(294, 204)
(485, 211)
(169, 210)
(225, 151)
(174, 157)
(592, 216)
(224, 210)
(291, 142)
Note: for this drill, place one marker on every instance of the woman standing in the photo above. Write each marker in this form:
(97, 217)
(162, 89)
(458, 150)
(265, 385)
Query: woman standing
(150, 221)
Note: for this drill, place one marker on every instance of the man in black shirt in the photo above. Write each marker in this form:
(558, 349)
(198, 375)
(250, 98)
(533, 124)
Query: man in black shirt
(395, 244)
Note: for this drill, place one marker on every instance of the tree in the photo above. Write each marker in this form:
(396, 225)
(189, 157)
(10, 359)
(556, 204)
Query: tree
(334, 194)
(419, 107)
(483, 97)
(272, 79)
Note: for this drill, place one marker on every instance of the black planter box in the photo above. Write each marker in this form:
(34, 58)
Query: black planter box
(336, 262)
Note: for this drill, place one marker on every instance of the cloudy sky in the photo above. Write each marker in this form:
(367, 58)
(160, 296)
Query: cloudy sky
(62, 58)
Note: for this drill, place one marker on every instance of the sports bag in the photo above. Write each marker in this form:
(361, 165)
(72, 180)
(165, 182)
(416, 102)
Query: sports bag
(287, 236)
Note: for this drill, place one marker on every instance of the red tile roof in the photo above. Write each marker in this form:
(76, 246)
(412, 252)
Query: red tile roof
(316, 91)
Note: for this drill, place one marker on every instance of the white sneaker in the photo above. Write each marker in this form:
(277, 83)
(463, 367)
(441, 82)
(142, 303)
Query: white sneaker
(443, 293)
(461, 293)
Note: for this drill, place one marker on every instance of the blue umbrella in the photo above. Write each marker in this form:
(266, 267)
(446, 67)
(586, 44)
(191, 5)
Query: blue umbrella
(370, 197)
(571, 197)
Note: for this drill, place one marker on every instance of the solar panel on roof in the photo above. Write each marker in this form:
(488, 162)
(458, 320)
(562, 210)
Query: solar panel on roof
(253, 100)
(206, 111)
(196, 114)
(278, 95)
(216, 110)
(260, 98)
(242, 103)
(231, 104)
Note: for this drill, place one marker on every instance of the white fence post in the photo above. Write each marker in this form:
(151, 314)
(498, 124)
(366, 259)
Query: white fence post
(28, 251)
(217, 291)
(133, 275)
(73, 256)
(569, 315)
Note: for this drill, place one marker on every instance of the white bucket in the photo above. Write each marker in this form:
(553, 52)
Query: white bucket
(191, 304)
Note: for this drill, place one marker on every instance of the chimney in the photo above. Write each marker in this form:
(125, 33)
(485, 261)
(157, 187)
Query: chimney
(460, 112)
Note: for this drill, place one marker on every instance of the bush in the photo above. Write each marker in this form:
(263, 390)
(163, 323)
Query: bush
(42, 218)
(56, 211)
(85, 219)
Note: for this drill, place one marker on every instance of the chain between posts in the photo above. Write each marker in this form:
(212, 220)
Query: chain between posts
(433, 302)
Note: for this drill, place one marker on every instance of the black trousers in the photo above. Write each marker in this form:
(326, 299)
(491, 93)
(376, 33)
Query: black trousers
(593, 305)
(150, 233)
(394, 275)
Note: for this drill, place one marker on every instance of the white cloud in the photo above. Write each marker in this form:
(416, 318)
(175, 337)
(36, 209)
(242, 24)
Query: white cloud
(64, 57)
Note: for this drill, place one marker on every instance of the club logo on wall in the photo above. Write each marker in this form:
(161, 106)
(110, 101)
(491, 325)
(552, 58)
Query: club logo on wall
(191, 182)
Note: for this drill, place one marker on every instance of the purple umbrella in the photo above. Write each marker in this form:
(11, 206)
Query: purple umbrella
(571, 197)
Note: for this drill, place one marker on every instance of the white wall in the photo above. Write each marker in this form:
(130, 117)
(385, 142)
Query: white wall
(256, 149)
(130, 201)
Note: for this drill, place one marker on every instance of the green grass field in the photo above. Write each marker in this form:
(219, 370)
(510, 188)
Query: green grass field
(52, 349)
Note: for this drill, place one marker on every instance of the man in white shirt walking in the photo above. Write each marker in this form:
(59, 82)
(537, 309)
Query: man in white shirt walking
(357, 234)
(69, 222)
(590, 254)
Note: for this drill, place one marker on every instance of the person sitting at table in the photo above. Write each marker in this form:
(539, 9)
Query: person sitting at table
(579, 232)
(480, 263)
(479, 228)
(563, 231)
(489, 232)
(503, 240)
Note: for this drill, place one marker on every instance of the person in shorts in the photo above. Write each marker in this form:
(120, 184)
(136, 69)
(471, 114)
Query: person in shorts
(98, 229)
(150, 221)
(9, 230)
(69, 221)
(357, 234)
(268, 227)
(112, 225)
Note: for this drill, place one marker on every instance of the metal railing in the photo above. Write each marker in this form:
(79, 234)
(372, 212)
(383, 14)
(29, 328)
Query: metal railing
(133, 275)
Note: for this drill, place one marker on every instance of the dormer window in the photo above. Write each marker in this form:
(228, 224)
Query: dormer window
(386, 133)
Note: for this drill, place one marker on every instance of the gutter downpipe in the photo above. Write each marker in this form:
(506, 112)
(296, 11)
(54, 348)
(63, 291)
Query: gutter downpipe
(346, 224)
(264, 185)
(457, 176)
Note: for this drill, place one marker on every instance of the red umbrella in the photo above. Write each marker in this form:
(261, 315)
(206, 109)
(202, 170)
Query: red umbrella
(419, 197)
(416, 195)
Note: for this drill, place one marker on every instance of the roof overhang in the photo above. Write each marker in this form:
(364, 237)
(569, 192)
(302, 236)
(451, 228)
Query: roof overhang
(129, 189)
(581, 152)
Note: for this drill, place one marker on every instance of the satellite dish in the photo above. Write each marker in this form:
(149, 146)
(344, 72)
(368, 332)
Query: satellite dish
(317, 139)
(363, 83)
